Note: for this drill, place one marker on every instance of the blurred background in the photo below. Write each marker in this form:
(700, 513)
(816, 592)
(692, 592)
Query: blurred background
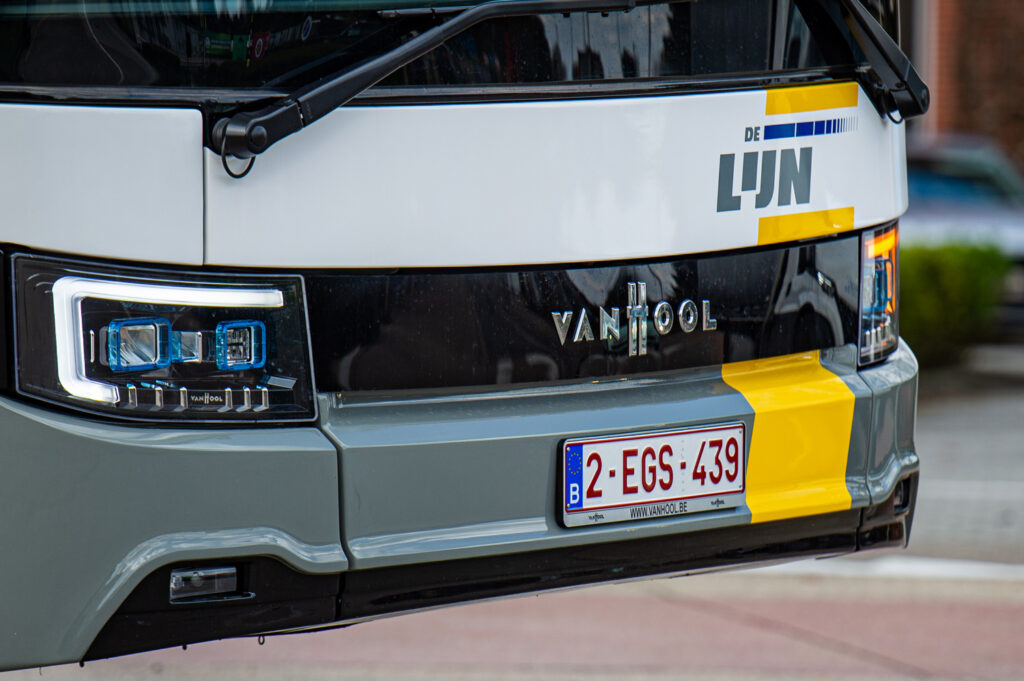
(949, 607)
(963, 235)
(962, 276)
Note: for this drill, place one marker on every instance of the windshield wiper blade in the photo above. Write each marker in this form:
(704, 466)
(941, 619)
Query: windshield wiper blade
(246, 134)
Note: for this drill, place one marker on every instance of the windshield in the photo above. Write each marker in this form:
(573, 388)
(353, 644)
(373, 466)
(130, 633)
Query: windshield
(283, 44)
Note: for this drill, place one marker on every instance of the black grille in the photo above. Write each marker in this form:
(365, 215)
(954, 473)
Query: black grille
(421, 330)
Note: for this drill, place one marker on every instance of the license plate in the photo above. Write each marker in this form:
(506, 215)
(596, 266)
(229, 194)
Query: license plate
(650, 475)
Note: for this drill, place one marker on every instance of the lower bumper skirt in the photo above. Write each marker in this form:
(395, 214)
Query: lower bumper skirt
(285, 600)
(367, 594)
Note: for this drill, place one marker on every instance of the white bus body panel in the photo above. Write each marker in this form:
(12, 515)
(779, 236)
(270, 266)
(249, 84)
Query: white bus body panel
(535, 182)
(110, 182)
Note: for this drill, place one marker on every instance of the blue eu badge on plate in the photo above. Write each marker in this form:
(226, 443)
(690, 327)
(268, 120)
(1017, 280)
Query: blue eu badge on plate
(574, 476)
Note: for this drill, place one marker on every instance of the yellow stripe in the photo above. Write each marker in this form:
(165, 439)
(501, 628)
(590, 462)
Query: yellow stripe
(803, 416)
(811, 98)
(781, 228)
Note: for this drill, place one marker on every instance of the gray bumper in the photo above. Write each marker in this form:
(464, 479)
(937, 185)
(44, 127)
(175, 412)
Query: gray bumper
(98, 507)
(467, 476)
(92, 508)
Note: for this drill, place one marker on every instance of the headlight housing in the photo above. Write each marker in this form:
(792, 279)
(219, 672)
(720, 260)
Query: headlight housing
(158, 346)
(879, 293)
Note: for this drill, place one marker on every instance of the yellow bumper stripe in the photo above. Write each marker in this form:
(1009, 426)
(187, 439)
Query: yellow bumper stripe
(811, 98)
(780, 228)
(803, 416)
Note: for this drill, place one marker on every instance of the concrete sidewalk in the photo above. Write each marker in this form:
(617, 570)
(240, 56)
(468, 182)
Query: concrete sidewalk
(970, 436)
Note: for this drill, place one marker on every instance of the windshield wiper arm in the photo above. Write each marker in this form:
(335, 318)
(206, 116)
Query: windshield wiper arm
(246, 134)
(895, 85)
(898, 87)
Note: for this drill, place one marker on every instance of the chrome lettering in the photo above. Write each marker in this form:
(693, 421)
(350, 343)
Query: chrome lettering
(562, 322)
(663, 318)
(636, 314)
(583, 332)
(688, 316)
(639, 320)
(710, 323)
(609, 325)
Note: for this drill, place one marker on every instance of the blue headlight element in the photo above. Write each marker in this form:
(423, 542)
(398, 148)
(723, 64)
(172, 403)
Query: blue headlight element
(138, 344)
(143, 345)
(883, 285)
(241, 345)
(187, 346)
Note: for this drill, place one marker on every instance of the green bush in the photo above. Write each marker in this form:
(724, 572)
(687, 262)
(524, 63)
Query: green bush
(948, 296)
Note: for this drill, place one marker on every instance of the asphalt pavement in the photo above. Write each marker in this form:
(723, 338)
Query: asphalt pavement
(949, 607)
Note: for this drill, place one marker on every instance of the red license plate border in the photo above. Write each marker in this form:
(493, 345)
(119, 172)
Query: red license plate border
(738, 496)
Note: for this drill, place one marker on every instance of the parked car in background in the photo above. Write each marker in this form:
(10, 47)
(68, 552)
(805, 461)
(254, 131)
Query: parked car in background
(962, 168)
(965, 189)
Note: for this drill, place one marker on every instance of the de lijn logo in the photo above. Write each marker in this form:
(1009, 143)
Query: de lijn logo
(785, 170)
(638, 320)
(794, 178)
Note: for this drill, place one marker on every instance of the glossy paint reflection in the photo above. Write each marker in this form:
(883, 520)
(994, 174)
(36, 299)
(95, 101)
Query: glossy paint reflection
(462, 329)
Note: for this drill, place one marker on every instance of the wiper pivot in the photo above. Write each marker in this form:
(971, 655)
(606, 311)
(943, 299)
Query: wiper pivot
(896, 85)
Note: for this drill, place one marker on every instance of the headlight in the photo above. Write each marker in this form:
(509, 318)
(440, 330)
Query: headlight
(879, 293)
(142, 344)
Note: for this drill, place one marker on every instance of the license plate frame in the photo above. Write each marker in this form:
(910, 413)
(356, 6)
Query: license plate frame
(643, 492)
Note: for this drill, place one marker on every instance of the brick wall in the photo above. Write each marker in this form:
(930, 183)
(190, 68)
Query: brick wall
(976, 69)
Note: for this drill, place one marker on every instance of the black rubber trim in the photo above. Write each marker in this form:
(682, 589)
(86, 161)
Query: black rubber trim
(369, 593)
(382, 95)
(887, 524)
(281, 597)
(285, 599)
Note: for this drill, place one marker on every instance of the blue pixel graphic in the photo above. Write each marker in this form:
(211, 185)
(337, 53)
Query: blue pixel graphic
(831, 126)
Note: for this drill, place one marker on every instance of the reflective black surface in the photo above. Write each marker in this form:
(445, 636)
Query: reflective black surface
(426, 330)
(255, 46)
(190, 391)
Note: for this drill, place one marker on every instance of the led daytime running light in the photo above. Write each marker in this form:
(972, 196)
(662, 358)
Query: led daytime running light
(879, 294)
(69, 292)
